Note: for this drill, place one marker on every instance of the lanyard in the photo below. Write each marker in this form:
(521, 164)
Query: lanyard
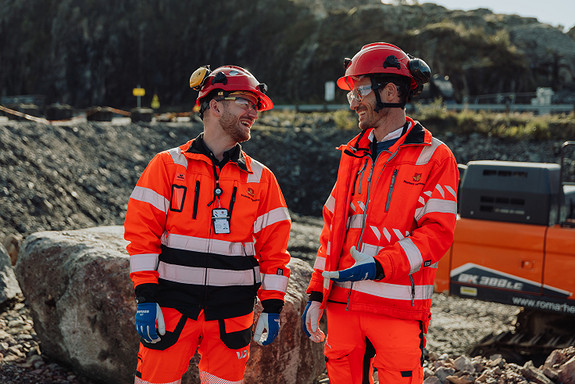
(218, 192)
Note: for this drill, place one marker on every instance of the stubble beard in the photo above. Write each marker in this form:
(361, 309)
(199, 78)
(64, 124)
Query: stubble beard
(234, 128)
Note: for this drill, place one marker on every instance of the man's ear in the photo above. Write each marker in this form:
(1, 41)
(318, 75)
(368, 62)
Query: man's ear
(214, 106)
(390, 91)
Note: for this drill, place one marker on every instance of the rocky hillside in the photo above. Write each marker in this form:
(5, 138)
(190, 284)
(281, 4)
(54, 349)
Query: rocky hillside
(79, 174)
(95, 52)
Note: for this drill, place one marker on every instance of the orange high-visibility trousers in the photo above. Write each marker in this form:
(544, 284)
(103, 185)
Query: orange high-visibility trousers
(223, 345)
(358, 341)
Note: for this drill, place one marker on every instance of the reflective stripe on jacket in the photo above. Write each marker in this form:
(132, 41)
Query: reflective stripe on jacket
(173, 245)
(401, 210)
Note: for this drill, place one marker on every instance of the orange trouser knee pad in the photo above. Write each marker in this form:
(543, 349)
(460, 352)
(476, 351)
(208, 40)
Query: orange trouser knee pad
(358, 341)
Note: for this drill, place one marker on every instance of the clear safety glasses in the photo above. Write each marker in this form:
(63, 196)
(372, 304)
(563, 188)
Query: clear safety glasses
(242, 102)
(359, 93)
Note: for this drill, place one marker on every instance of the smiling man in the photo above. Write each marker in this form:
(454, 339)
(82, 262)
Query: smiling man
(208, 229)
(388, 220)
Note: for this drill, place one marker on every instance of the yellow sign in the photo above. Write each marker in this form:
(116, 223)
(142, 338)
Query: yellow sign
(139, 91)
(155, 102)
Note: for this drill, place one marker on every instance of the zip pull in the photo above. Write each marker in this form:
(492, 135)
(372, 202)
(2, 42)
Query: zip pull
(412, 291)
(349, 296)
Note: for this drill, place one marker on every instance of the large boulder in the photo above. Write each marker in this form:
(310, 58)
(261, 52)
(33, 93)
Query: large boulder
(77, 286)
(9, 288)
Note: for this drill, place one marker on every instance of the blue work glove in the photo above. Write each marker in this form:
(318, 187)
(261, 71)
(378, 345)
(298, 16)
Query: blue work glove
(269, 322)
(364, 268)
(147, 314)
(310, 321)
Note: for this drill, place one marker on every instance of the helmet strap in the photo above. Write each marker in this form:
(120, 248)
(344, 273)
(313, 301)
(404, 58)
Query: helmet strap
(379, 105)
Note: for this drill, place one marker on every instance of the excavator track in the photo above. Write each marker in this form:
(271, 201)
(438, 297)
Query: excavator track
(535, 336)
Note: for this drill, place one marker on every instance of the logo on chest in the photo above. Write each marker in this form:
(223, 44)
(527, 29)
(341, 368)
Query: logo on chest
(415, 179)
(250, 194)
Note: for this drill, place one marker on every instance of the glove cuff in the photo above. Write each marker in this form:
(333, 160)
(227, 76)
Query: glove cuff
(146, 293)
(272, 305)
(316, 296)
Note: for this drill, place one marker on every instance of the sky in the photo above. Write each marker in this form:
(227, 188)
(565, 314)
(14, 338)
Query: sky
(554, 12)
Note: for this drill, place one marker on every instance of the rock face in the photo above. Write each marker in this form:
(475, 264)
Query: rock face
(9, 287)
(81, 299)
(85, 172)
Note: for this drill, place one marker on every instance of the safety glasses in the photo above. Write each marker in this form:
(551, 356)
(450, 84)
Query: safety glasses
(359, 93)
(242, 102)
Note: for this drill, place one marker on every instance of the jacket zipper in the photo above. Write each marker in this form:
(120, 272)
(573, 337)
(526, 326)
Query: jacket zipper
(389, 193)
(196, 199)
(232, 201)
(360, 175)
(369, 178)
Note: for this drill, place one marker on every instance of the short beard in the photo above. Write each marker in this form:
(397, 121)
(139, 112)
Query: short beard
(230, 124)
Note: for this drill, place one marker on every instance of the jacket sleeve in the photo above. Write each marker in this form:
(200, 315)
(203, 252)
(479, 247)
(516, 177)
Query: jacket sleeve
(435, 216)
(316, 282)
(271, 233)
(144, 225)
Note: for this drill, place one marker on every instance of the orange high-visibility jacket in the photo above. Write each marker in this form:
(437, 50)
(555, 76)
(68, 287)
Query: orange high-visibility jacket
(401, 210)
(178, 260)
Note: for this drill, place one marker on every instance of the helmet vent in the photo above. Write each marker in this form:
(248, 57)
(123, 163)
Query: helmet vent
(220, 78)
(391, 61)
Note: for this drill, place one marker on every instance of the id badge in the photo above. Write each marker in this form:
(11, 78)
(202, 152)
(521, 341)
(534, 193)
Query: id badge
(221, 221)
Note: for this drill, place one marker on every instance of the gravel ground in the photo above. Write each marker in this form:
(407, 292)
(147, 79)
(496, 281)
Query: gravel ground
(456, 324)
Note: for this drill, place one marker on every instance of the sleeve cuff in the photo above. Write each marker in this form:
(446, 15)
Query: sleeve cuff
(379, 274)
(146, 293)
(272, 305)
(316, 296)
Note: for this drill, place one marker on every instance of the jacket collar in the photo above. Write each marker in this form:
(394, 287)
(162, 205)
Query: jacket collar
(413, 133)
(234, 155)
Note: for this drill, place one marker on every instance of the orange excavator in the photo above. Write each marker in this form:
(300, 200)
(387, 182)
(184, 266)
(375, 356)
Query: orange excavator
(514, 244)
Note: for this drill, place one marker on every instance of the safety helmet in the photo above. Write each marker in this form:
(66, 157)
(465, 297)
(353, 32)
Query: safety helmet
(227, 79)
(385, 59)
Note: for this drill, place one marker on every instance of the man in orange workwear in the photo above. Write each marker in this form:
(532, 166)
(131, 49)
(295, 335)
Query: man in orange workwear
(388, 220)
(208, 229)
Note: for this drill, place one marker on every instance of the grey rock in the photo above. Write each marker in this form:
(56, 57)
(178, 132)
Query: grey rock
(9, 287)
(81, 300)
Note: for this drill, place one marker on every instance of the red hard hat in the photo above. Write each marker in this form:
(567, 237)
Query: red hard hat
(229, 78)
(384, 58)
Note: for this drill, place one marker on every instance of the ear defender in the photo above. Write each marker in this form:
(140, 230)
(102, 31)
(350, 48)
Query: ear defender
(419, 70)
(198, 78)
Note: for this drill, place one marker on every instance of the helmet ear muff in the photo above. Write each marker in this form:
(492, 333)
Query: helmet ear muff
(419, 70)
(199, 77)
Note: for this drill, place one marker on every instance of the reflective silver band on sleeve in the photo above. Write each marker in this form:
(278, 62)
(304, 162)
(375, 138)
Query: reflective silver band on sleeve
(150, 196)
(271, 217)
(144, 262)
(274, 282)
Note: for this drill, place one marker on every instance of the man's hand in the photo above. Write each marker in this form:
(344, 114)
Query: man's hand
(364, 268)
(310, 321)
(269, 322)
(147, 314)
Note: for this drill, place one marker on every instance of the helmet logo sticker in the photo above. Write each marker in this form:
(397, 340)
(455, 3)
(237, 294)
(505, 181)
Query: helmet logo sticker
(391, 61)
